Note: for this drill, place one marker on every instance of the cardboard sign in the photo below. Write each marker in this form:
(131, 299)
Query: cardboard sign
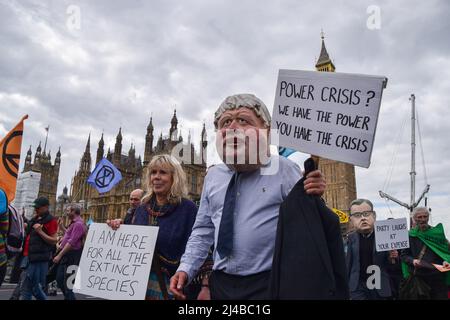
(328, 114)
(115, 264)
(391, 234)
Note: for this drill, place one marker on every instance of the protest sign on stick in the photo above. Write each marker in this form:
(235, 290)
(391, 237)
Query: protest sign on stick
(331, 115)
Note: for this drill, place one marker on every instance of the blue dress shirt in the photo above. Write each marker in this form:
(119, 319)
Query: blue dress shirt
(259, 195)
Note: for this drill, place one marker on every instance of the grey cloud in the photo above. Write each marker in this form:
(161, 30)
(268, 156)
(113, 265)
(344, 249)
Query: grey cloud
(133, 59)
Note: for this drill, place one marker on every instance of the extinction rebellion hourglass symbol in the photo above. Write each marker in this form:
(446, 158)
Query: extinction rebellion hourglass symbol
(104, 177)
(9, 159)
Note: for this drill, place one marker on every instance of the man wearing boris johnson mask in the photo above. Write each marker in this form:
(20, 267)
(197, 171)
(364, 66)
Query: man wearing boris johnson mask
(240, 204)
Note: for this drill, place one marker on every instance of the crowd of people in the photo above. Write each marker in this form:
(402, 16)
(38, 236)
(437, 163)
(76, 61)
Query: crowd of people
(49, 249)
(361, 255)
(224, 249)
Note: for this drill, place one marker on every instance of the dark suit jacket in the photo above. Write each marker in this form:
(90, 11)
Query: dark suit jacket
(309, 258)
(353, 266)
(129, 216)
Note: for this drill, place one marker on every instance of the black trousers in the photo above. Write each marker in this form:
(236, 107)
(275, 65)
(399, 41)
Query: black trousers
(16, 293)
(16, 270)
(225, 286)
(3, 272)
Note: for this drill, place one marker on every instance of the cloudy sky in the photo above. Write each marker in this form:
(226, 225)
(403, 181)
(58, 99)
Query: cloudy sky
(94, 66)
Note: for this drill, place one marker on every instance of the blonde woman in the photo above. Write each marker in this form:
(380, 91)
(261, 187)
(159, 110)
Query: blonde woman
(165, 206)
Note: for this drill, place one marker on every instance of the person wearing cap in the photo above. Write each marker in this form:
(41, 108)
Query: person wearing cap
(39, 246)
(240, 203)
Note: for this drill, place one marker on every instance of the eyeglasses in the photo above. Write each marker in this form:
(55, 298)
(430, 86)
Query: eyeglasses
(135, 199)
(362, 214)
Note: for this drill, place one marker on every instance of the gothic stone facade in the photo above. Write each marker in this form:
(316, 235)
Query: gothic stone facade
(49, 173)
(115, 203)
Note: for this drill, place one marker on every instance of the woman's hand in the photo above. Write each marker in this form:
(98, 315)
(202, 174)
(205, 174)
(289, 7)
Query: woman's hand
(393, 254)
(114, 224)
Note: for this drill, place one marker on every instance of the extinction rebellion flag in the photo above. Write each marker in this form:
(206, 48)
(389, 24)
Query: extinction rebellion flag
(10, 147)
(105, 176)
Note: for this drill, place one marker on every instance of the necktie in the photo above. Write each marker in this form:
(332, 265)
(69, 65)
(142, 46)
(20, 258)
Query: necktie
(225, 239)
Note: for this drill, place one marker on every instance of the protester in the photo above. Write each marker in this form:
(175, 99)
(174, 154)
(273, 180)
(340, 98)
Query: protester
(394, 269)
(71, 248)
(362, 256)
(135, 201)
(167, 207)
(17, 272)
(39, 244)
(4, 223)
(427, 246)
(239, 205)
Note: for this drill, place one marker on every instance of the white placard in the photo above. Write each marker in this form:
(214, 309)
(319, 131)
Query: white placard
(391, 234)
(328, 114)
(115, 264)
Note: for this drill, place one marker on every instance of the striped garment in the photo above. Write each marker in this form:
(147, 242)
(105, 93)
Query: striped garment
(4, 221)
(154, 291)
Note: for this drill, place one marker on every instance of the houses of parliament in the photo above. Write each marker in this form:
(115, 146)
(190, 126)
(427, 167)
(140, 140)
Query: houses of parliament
(115, 203)
(49, 173)
(340, 177)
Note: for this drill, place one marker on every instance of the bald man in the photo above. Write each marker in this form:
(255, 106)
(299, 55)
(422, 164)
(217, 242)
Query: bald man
(135, 201)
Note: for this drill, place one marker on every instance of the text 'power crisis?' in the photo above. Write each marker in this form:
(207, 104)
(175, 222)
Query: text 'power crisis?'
(333, 115)
(116, 263)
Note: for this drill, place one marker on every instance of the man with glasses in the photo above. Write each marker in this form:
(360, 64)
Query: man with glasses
(367, 268)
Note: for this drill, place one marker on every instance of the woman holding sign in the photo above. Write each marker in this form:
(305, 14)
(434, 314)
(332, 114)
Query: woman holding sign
(165, 206)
